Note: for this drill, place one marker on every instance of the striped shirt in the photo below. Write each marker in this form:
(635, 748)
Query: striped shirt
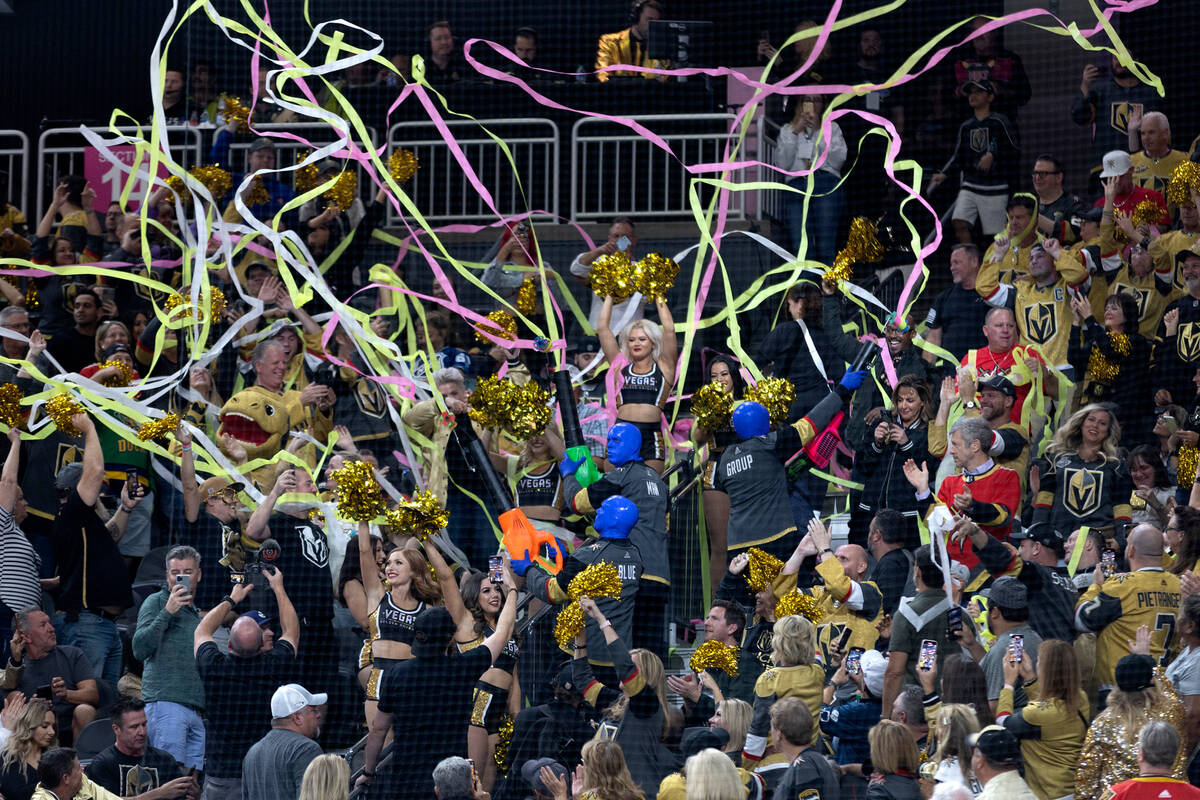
(19, 562)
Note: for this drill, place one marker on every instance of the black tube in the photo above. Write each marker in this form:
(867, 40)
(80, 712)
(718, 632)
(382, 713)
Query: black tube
(478, 457)
(572, 430)
(866, 355)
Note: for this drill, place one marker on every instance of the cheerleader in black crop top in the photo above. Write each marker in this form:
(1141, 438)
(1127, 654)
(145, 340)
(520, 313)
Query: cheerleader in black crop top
(475, 605)
(645, 382)
(724, 370)
(409, 590)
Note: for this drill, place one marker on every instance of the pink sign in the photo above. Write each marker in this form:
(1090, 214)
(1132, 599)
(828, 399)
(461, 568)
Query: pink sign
(108, 179)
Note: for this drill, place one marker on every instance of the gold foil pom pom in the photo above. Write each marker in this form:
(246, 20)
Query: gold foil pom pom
(796, 603)
(157, 429)
(712, 406)
(403, 164)
(1185, 179)
(60, 409)
(717, 655)
(763, 569)
(527, 296)
(359, 496)
(10, 404)
(232, 109)
(612, 276)
(776, 394)
(343, 191)
(504, 326)
(654, 276)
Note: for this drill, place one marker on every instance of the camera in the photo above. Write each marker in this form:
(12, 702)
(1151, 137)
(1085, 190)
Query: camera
(258, 565)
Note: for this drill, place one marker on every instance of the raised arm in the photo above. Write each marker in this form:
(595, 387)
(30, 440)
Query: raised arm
(187, 473)
(608, 341)
(372, 586)
(257, 528)
(508, 616)
(451, 596)
(8, 478)
(670, 348)
(216, 615)
(289, 621)
(46, 223)
(93, 460)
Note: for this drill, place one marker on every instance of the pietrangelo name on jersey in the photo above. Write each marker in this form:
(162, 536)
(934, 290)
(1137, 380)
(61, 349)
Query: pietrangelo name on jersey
(1158, 600)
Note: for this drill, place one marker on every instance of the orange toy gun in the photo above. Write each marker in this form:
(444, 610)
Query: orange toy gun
(525, 544)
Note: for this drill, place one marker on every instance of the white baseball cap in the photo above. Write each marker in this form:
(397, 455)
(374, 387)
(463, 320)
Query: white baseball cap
(292, 697)
(1115, 164)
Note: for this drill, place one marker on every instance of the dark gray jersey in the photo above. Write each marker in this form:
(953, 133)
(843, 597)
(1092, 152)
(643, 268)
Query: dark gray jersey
(642, 486)
(751, 472)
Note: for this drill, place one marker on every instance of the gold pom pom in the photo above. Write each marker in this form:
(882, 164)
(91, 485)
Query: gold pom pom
(527, 296)
(422, 516)
(403, 164)
(530, 412)
(158, 429)
(1099, 368)
(124, 374)
(862, 245)
(504, 327)
(654, 276)
(776, 394)
(216, 303)
(612, 276)
(1189, 457)
(306, 176)
(568, 625)
(598, 580)
(797, 603)
(763, 569)
(490, 401)
(712, 406)
(258, 193)
(343, 191)
(232, 109)
(501, 754)
(10, 404)
(60, 409)
(178, 187)
(1146, 212)
(359, 496)
(1185, 179)
(32, 303)
(213, 178)
(715, 654)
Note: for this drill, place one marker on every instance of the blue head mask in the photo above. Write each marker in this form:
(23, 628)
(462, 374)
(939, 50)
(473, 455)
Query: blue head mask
(624, 444)
(615, 518)
(751, 419)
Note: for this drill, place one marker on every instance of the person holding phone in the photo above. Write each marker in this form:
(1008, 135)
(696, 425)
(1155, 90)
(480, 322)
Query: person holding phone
(1008, 618)
(622, 238)
(850, 717)
(816, 149)
(163, 641)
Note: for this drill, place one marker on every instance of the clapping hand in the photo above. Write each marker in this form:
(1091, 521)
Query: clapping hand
(918, 475)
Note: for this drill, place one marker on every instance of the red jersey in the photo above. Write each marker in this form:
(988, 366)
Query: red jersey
(1126, 203)
(1153, 788)
(988, 363)
(996, 497)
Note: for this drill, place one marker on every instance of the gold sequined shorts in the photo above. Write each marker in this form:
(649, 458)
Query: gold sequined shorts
(488, 705)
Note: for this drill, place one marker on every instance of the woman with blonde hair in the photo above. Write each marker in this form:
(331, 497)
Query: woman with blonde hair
(326, 778)
(33, 733)
(952, 755)
(796, 674)
(645, 381)
(1143, 693)
(638, 717)
(712, 776)
(1052, 726)
(896, 760)
(604, 775)
(733, 716)
(1085, 444)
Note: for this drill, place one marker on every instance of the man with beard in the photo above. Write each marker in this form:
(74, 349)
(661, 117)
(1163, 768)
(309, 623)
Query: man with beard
(1109, 105)
(996, 398)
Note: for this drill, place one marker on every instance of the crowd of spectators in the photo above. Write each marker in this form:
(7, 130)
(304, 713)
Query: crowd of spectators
(1015, 610)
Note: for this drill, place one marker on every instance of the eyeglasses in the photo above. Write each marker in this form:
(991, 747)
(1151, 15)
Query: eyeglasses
(1041, 173)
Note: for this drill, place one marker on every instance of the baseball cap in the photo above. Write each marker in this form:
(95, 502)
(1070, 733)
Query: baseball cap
(1116, 163)
(432, 631)
(260, 143)
(696, 739)
(997, 745)
(873, 666)
(531, 773)
(984, 85)
(585, 344)
(1186, 253)
(291, 697)
(259, 617)
(1000, 384)
(1135, 672)
(1040, 532)
(216, 485)
(113, 349)
(1008, 592)
(68, 477)
(565, 679)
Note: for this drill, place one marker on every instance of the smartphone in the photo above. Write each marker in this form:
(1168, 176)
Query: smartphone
(474, 775)
(1108, 563)
(1016, 648)
(954, 622)
(186, 581)
(44, 692)
(106, 293)
(928, 656)
(131, 480)
(623, 243)
(854, 661)
(496, 569)
(807, 107)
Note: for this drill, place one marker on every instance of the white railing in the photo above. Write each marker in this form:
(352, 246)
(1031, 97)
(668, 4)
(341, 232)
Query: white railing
(62, 152)
(14, 162)
(770, 201)
(616, 171)
(441, 189)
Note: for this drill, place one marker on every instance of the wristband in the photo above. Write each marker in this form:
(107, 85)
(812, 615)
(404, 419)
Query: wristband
(366, 774)
(229, 599)
(185, 447)
(126, 510)
(605, 624)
